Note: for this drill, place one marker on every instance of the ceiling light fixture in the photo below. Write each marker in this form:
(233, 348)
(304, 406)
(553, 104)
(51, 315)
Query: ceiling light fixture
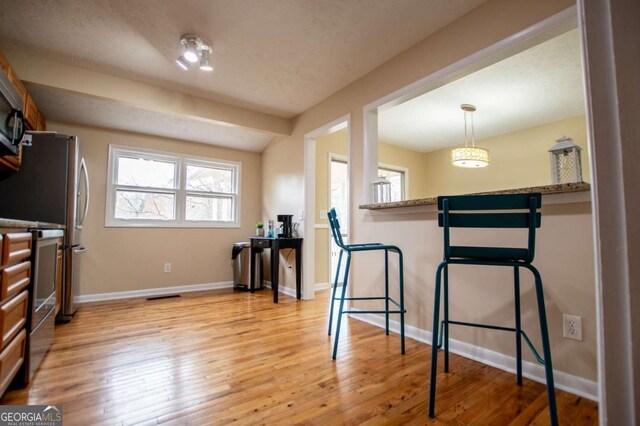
(470, 155)
(194, 48)
(183, 63)
(205, 65)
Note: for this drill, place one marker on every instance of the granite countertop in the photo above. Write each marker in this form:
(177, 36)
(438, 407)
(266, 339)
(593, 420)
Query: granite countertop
(15, 223)
(544, 190)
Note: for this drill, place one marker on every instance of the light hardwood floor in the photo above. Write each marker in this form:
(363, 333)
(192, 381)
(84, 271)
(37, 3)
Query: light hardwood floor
(223, 357)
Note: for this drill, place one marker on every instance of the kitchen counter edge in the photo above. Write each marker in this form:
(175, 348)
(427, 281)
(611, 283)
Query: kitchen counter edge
(15, 223)
(545, 189)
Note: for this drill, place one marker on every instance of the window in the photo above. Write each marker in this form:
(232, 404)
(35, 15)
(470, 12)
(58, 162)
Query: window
(149, 188)
(397, 177)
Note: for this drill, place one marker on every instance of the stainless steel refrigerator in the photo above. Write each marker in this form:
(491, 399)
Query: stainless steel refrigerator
(52, 186)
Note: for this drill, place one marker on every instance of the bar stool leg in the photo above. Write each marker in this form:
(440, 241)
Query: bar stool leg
(434, 343)
(401, 279)
(386, 290)
(333, 292)
(516, 286)
(344, 290)
(446, 319)
(548, 367)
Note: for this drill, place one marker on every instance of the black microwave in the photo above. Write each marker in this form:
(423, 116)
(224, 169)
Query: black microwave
(11, 118)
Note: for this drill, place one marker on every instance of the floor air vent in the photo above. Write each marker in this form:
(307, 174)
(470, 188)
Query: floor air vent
(169, 296)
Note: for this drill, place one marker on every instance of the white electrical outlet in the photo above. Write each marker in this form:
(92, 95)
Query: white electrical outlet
(167, 267)
(572, 327)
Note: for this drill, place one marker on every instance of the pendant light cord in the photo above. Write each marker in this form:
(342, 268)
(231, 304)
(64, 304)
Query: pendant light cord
(473, 132)
(466, 136)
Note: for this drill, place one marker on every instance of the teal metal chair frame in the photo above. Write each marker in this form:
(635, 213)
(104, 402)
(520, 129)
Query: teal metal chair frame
(493, 256)
(348, 249)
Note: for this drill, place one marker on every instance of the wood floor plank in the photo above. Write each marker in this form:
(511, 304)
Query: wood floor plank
(225, 357)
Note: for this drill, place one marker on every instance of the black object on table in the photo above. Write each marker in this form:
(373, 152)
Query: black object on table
(275, 244)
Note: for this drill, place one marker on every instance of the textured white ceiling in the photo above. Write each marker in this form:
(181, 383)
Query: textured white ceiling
(537, 86)
(275, 56)
(61, 105)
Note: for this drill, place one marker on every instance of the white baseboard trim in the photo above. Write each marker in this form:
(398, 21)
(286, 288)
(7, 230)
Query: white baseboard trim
(100, 297)
(321, 286)
(281, 289)
(564, 381)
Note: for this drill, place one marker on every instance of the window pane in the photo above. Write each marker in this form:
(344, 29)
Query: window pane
(210, 179)
(144, 205)
(209, 208)
(396, 179)
(149, 173)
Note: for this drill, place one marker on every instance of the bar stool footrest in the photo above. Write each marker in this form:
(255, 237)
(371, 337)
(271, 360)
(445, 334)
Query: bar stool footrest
(536, 354)
(371, 298)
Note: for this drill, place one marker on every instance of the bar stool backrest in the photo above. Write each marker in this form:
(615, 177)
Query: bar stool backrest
(478, 218)
(334, 224)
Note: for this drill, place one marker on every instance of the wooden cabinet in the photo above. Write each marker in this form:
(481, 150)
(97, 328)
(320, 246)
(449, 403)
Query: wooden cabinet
(15, 277)
(33, 118)
(15, 247)
(11, 359)
(4, 63)
(13, 317)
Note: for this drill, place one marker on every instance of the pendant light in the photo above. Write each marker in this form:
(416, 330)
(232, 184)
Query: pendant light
(470, 156)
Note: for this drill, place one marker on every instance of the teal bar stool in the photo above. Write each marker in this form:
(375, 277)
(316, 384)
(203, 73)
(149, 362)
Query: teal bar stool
(522, 213)
(348, 249)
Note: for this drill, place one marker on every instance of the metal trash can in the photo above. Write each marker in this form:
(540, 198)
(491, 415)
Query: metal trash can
(241, 257)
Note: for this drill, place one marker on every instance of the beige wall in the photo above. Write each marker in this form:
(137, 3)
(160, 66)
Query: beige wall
(336, 143)
(518, 160)
(125, 259)
(565, 249)
(411, 160)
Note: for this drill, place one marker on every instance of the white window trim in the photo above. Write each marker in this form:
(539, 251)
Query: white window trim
(405, 176)
(181, 161)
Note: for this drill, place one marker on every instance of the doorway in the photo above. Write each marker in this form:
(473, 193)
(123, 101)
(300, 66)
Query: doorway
(332, 191)
(321, 145)
(338, 199)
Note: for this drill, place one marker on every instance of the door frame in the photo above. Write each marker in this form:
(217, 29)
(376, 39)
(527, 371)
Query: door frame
(342, 159)
(611, 64)
(309, 244)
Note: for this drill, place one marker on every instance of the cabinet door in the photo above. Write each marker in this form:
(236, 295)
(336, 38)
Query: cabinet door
(4, 63)
(11, 358)
(13, 316)
(16, 246)
(13, 279)
(30, 112)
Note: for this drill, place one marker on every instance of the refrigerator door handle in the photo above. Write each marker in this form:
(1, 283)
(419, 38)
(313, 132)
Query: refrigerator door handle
(85, 173)
(80, 250)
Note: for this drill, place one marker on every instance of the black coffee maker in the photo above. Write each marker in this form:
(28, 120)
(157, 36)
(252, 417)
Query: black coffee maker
(287, 225)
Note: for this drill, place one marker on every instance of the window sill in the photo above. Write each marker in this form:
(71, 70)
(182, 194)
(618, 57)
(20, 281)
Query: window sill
(201, 225)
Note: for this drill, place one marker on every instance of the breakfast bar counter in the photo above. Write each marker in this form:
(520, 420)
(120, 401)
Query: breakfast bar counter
(562, 188)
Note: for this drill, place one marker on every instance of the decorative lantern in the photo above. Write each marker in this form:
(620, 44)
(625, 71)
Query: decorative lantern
(566, 161)
(381, 190)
